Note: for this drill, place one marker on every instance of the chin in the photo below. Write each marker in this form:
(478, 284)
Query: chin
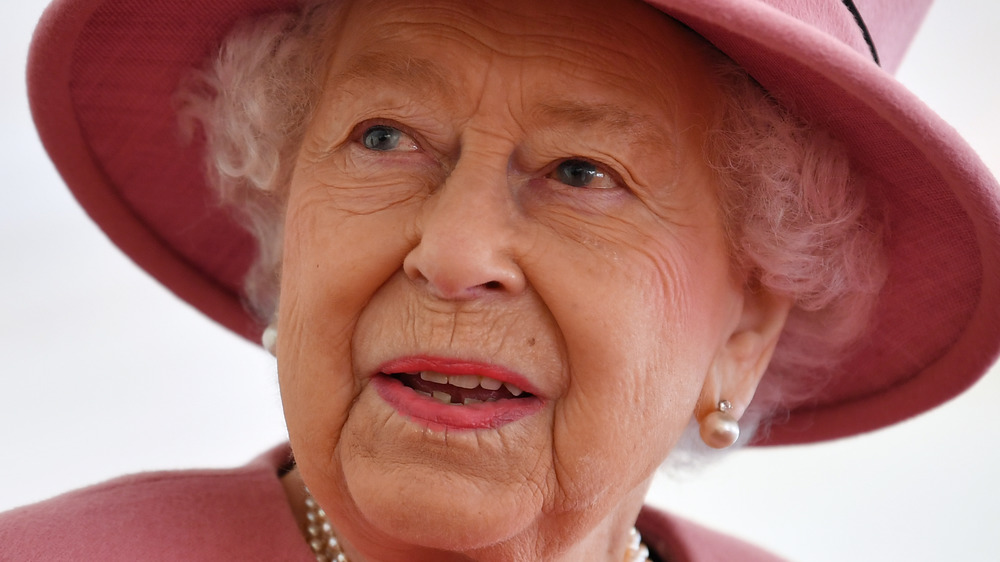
(424, 507)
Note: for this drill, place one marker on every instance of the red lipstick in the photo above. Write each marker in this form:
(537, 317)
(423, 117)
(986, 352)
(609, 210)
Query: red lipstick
(449, 393)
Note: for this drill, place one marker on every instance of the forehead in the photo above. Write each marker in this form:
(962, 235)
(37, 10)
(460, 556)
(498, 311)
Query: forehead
(549, 47)
(516, 27)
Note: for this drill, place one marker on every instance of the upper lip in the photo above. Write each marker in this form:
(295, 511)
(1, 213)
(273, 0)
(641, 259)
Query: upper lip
(457, 366)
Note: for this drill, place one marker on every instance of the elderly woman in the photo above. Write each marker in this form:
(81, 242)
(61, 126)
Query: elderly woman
(509, 254)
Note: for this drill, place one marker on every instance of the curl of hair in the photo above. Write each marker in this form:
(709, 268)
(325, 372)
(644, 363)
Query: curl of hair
(253, 102)
(800, 223)
(795, 211)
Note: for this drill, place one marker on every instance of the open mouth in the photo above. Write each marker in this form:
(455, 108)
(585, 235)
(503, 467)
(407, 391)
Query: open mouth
(454, 394)
(459, 389)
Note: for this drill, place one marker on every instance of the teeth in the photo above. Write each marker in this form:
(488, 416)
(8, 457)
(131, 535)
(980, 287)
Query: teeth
(468, 401)
(464, 381)
(490, 384)
(427, 394)
(431, 376)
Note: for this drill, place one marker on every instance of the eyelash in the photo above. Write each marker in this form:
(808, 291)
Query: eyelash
(600, 171)
(595, 172)
(362, 129)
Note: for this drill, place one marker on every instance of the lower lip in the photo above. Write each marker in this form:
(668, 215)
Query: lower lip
(440, 416)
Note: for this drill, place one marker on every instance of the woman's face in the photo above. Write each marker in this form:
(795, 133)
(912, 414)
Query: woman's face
(508, 190)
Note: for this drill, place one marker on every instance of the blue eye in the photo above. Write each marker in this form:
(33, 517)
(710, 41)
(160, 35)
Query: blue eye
(381, 137)
(579, 173)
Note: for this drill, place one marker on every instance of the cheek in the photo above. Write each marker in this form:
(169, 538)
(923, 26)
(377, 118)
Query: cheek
(641, 321)
(334, 260)
(344, 236)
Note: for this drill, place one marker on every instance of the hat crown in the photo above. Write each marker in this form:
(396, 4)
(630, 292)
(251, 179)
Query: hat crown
(890, 24)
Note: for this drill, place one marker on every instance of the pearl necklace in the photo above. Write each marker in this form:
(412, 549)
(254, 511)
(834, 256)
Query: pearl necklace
(326, 547)
(324, 544)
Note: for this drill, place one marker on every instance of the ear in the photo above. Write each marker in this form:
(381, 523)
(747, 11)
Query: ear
(742, 359)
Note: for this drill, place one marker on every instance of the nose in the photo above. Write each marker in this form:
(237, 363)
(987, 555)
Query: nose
(467, 239)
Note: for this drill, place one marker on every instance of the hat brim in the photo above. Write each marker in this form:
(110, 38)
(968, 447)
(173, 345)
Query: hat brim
(102, 74)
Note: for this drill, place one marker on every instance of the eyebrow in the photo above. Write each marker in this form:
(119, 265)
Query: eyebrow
(428, 75)
(406, 71)
(607, 117)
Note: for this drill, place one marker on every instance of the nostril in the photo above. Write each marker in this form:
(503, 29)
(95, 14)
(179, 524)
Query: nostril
(452, 268)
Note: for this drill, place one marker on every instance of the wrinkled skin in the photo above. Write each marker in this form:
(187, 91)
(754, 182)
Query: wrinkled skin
(467, 235)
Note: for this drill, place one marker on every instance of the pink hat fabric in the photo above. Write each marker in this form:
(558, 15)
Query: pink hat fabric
(102, 73)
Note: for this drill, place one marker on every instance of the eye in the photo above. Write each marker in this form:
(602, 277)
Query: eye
(385, 138)
(581, 173)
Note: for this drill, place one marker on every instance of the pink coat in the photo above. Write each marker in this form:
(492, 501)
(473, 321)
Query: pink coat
(240, 514)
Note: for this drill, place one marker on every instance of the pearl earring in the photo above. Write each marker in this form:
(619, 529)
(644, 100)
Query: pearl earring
(269, 338)
(720, 429)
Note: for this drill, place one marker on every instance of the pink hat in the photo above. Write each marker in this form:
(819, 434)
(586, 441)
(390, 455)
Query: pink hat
(102, 72)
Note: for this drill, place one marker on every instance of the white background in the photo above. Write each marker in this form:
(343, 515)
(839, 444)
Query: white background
(105, 373)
